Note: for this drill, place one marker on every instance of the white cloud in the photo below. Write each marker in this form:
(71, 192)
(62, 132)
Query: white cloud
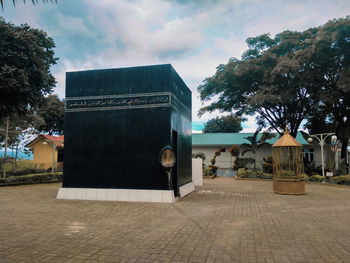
(195, 38)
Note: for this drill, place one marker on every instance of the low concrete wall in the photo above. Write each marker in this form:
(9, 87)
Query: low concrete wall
(197, 172)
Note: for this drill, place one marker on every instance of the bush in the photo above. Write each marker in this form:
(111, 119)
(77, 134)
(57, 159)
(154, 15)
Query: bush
(303, 177)
(245, 173)
(268, 164)
(286, 175)
(207, 171)
(316, 178)
(342, 179)
(213, 168)
(242, 163)
(241, 172)
(266, 176)
(198, 155)
(31, 179)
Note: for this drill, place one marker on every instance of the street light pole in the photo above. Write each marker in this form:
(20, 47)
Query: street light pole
(321, 140)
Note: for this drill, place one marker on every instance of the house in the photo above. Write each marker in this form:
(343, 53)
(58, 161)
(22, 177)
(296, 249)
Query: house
(47, 151)
(209, 143)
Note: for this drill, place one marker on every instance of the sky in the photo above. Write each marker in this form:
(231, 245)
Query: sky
(195, 36)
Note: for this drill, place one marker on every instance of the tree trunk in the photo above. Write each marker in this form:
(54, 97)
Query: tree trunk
(16, 157)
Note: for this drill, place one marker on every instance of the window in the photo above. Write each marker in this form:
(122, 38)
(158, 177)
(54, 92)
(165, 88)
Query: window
(309, 155)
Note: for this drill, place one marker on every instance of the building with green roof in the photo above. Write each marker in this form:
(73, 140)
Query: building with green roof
(208, 143)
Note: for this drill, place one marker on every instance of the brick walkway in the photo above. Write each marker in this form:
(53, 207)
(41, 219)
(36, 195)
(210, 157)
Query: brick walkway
(223, 221)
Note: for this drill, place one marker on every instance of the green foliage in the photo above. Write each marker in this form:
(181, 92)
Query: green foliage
(224, 124)
(234, 150)
(241, 172)
(243, 163)
(213, 168)
(198, 155)
(266, 176)
(342, 179)
(303, 177)
(51, 110)
(208, 171)
(268, 164)
(316, 178)
(288, 78)
(286, 175)
(31, 179)
(246, 173)
(26, 55)
(255, 142)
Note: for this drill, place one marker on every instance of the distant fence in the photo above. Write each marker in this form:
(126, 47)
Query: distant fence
(12, 167)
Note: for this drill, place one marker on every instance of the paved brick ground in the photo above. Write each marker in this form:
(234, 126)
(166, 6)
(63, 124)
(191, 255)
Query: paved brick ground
(223, 221)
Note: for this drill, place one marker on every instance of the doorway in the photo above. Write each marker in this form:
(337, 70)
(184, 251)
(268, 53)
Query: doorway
(174, 172)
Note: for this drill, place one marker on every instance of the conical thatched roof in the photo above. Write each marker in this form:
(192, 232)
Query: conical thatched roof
(287, 140)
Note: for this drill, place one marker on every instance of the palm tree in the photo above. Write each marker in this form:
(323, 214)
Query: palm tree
(256, 143)
(33, 1)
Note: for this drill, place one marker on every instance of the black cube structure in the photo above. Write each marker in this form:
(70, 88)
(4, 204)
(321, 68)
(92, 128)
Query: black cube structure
(117, 121)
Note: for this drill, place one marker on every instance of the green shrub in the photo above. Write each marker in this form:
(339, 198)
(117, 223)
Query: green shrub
(245, 173)
(207, 171)
(198, 155)
(241, 172)
(213, 168)
(31, 179)
(316, 178)
(286, 175)
(303, 177)
(242, 163)
(266, 176)
(342, 179)
(268, 164)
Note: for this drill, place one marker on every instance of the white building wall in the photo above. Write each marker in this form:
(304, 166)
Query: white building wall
(225, 160)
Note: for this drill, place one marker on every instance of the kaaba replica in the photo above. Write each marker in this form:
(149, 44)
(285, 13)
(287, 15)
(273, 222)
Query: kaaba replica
(117, 122)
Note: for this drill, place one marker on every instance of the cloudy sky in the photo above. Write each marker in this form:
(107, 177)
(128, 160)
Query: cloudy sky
(195, 36)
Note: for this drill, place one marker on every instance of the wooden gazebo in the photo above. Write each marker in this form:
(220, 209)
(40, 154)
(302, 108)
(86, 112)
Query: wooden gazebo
(288, 165)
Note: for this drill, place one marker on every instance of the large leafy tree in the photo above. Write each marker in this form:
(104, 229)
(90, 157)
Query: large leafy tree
(223, 124)
(26, 55)
(288, 78)
(51, 111)
(263, 82)
(330, 58)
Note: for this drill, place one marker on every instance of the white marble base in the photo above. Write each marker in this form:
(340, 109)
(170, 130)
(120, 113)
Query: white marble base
(128, 195)
(197, 172)
(186, 189)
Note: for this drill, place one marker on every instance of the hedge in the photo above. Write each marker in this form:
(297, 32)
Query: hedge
(32, 179)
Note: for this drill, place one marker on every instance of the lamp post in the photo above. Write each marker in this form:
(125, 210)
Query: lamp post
(321, 138)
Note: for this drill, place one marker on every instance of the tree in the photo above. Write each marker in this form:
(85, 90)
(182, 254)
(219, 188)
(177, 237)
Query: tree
(24, 1)
(330, 57)
(286, 79)
(223, 124)
(262, 82)
(51, 110)
(256, 142)
(26, 55)
(20, 131)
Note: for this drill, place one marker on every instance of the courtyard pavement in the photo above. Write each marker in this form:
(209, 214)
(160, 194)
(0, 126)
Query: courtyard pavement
(226, 220)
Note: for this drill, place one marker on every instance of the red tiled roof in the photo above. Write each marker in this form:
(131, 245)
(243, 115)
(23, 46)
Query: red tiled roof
(57, 140)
